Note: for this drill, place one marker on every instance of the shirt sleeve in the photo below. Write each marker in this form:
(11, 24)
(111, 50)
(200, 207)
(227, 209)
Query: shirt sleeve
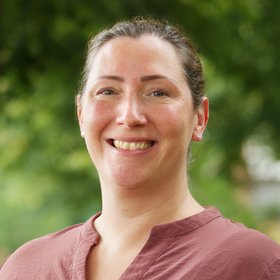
(273, 272)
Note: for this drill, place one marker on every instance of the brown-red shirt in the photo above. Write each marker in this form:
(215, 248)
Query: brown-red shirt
(204, 246)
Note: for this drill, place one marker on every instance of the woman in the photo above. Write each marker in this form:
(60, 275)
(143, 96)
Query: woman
(141, 105)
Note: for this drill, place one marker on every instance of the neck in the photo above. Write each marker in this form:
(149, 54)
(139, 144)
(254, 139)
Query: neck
(133, 212)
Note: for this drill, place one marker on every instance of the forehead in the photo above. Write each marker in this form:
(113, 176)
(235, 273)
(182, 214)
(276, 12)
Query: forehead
(137, 55)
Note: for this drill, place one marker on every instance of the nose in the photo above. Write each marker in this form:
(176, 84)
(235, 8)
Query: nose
(131, 112)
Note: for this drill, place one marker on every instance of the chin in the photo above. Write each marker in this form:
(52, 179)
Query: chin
(128, 179)
(128, 183)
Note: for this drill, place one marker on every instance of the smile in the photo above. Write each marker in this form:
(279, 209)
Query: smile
(132, 146)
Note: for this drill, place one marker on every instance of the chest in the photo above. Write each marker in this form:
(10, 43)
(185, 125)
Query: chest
(166, 259)
(104, 264)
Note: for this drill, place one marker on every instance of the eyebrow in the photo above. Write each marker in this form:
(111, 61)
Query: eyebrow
(143, 79)
(153, 77)
(111, 77)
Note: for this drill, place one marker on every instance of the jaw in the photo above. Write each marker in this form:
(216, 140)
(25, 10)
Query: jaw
(133, 171)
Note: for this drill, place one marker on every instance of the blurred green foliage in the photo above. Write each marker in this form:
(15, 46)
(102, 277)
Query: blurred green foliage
(47, 179)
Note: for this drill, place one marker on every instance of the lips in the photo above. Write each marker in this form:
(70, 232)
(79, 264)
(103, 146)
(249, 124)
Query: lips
(131, 145)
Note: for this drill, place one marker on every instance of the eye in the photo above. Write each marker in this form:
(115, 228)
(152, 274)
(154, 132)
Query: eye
(159, 93)
(106, 91)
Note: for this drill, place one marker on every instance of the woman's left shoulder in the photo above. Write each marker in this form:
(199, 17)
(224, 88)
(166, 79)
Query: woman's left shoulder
(248, 253)
(253, 240)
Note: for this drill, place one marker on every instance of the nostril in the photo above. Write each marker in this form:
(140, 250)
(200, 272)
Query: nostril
(131, 114)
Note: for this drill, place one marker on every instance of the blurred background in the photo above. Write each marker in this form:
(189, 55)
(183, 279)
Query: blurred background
(47, 180)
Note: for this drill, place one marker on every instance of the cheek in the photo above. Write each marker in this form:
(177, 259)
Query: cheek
(96, 115)
(175, 121)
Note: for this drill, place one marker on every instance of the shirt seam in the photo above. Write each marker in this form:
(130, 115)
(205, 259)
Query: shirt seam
(191, 229)
(74, 256)
(80, 240)
(155, 260)
(266, 269)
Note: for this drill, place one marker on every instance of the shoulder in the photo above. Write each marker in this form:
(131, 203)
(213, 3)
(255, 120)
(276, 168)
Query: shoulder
(257, 253)
(272, 272)
(50, 244)
(43, 254)
(235, 251)
(247, 251)
(236, 237)
(250, 241)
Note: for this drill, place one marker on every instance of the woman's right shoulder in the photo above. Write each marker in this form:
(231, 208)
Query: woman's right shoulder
(41, 252)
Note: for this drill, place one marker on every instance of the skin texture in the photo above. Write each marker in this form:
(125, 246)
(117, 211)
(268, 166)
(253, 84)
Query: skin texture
(130, 112)
(136, 92)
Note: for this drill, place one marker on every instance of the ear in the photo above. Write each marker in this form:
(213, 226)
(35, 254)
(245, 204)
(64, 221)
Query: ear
(202, 115)
(79, 113)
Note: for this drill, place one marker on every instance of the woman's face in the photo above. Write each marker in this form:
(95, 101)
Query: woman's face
(137, 113)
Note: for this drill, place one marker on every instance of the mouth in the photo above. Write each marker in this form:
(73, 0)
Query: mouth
(131, 146)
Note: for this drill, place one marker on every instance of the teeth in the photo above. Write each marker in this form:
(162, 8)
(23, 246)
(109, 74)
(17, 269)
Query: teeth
(132, 145)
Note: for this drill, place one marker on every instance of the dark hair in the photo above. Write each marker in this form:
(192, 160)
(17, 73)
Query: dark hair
(139, 26)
